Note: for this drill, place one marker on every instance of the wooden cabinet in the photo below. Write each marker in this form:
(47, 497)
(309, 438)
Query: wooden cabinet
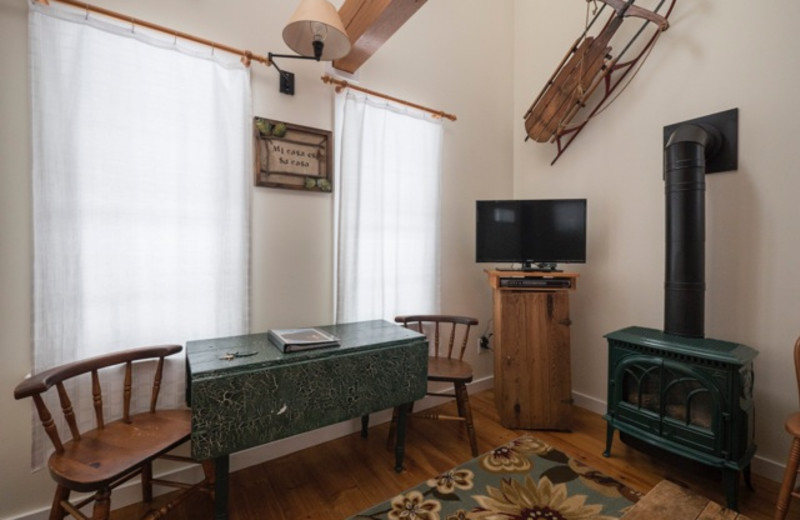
(532, 378)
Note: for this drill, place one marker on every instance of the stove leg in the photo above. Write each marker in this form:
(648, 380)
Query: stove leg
(747, 480)
(730, 478)
(609, 439)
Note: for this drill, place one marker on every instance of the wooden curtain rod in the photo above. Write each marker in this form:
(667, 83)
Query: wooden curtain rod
(246, 55)
(340, 84)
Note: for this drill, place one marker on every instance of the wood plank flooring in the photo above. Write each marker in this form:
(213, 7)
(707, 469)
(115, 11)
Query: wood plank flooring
(339, 478)
(669, 500)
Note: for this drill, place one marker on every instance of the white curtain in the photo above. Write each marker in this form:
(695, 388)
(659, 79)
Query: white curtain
(387, 210)
(141, 166)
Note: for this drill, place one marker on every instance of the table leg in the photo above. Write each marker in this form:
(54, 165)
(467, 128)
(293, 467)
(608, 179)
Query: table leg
(221, 487)
(400, 446)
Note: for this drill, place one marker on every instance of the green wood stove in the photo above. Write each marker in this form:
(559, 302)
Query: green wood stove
(689, 396)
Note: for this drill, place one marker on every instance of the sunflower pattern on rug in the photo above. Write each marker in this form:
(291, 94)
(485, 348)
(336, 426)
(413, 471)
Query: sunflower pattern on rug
(525, 479)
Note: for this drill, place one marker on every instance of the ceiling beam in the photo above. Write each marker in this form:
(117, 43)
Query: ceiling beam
(369, 23)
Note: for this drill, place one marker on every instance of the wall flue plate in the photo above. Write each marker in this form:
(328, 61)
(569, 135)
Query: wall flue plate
(727, 125)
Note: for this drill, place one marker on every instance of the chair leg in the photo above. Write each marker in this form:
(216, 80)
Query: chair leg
(147, 482)
(462, 401)
(57, 512)
(789, 477)
(459, 400)
(102, 505)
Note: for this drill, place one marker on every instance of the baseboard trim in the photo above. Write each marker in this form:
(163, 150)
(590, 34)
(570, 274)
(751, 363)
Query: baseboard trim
(590, 403)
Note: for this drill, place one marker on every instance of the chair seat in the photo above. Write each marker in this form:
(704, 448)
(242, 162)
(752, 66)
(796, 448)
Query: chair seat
(103, 455)
(793, 424)
(443, 369)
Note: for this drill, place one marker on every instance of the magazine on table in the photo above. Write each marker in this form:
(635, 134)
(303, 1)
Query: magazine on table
(294, 340)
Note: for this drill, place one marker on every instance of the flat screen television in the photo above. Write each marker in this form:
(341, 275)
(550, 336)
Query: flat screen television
(537, 234)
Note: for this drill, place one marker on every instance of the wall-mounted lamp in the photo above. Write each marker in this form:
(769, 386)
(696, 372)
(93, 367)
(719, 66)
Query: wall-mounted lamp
(315, 32)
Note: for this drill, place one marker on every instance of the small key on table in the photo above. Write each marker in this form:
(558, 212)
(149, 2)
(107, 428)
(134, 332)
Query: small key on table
(233, 355)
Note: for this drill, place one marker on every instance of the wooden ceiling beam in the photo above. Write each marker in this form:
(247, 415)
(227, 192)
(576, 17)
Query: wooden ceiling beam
(369, 23)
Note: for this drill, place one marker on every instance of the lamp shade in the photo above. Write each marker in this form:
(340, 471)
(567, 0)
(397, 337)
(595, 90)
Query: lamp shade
(317, 20)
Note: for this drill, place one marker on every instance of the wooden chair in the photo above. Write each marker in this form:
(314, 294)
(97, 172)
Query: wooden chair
(446, 365)
(99, 460)
(792, 425)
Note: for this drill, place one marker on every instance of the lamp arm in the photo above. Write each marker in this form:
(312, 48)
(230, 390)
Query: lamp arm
(292, 56)
(287, 78)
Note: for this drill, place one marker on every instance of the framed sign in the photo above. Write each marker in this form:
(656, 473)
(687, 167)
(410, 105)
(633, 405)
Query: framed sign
(292, 156)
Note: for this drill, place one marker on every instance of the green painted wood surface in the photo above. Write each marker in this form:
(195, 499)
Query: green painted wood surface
(702, 348)
(248, 401)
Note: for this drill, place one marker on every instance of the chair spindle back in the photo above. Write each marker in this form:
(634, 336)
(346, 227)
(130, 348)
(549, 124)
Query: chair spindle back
(38, 384)
(418, 322)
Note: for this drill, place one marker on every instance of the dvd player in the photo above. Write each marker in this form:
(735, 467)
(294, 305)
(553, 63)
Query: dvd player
(546, 283)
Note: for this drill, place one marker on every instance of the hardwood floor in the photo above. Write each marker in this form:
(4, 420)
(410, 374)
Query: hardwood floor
(339, 478)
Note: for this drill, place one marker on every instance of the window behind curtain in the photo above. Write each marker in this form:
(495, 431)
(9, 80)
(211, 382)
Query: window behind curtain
(387, 210)
(141, 157)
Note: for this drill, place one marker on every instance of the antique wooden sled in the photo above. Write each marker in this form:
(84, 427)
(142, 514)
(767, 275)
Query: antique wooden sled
(571, 97)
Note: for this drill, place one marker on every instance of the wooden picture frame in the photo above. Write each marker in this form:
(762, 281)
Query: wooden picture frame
(291, 156)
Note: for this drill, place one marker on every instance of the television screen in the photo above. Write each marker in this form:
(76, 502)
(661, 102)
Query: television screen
(542, 232)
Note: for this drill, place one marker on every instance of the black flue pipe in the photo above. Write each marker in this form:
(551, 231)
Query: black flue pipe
(685, 188)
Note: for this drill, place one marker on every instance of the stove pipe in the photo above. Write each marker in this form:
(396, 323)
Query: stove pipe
(685, 189)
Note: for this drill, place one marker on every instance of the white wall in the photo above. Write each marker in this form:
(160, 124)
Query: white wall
(291, 243)
(456, 55)
(716, 56)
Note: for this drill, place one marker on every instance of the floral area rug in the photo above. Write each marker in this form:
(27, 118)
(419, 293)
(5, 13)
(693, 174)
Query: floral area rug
(525, 479)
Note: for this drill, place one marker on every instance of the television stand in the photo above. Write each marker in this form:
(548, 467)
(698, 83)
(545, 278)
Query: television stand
(532, 373)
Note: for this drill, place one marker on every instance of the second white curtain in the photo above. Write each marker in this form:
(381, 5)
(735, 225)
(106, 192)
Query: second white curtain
(387, 210)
